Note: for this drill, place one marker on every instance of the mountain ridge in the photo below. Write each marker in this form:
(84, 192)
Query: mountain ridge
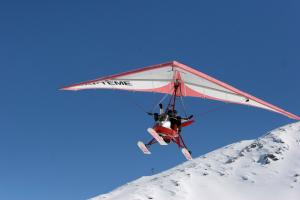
(264, 168)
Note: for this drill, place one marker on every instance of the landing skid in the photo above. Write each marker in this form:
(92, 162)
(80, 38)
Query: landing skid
(186, 154)
(154, 134)
(143, 147)
(158, 139)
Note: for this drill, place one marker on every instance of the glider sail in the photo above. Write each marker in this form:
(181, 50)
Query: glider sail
(162, 78)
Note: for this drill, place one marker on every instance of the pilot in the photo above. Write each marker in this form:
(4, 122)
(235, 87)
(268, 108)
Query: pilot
(159, 117)
(177, 120)
(169, 119)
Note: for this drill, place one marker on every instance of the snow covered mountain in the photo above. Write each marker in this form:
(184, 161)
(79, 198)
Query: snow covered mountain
(267, 168)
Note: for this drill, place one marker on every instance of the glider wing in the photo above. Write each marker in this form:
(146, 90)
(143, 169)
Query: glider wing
(161, 78)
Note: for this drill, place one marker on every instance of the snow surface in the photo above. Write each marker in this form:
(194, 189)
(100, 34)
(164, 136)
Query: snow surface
(267, 168)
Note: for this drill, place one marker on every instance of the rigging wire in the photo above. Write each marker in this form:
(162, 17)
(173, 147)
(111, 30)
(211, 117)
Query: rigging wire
(160, 101)
(200, 114)
(183, 106)
(182, 103)
(217, 108)
(135, 103)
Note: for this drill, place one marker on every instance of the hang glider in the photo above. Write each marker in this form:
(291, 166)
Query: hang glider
(162, 78)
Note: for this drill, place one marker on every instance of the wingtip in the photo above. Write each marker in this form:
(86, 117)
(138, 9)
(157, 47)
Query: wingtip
(63, 88)
(67, 88)
(292, 116)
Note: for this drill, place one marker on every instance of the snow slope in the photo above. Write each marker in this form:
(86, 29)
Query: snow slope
(261, 169)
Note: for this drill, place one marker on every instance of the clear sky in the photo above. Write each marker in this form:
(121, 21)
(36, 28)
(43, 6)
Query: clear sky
(74, 145)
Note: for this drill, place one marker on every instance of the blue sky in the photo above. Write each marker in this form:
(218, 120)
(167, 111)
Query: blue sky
(75, 145)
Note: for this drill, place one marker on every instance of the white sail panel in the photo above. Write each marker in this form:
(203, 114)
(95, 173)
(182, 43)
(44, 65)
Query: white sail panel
(149, 79)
